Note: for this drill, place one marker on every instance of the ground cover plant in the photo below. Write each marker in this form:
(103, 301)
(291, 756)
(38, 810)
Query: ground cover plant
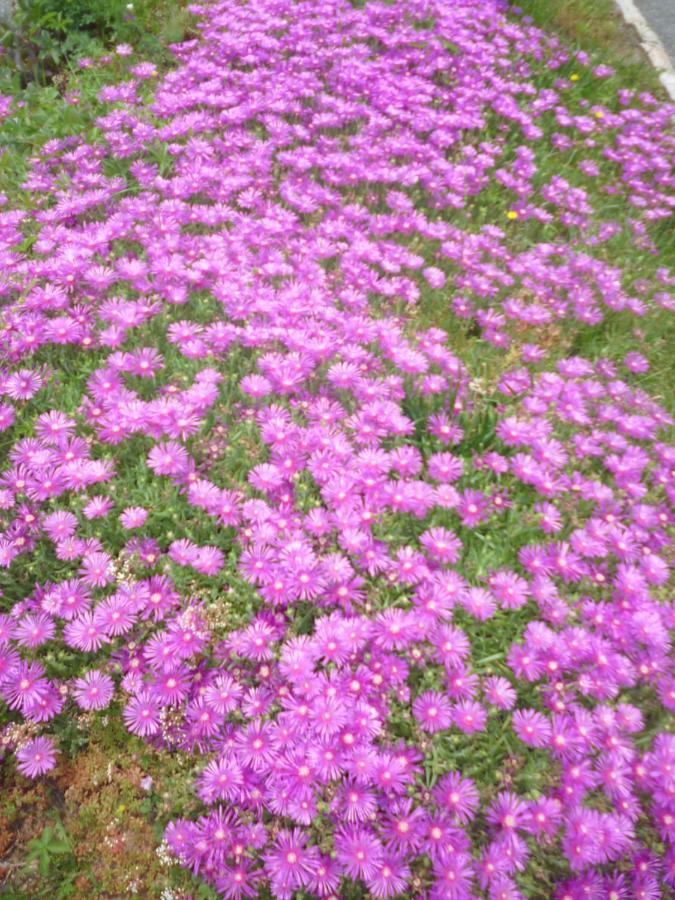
(337, 487)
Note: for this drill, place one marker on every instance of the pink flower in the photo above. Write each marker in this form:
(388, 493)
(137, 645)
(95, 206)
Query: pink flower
(533, 728)
(473, 508)
(499, 692)
(441, 545)
(133, 517)
(34, 630)
(141, 715)
(635, 362)
(94, 690)
(6, 416)
(36, 757)
(97, 507)
(290, 864)
(359, 852)
(433, 711)
(169, 458)
(469, 716)
(96, 569)
(209, 560)
(445, 467)
(459, 796)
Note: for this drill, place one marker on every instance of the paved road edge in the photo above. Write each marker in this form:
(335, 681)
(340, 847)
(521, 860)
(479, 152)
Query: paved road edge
(651, 44)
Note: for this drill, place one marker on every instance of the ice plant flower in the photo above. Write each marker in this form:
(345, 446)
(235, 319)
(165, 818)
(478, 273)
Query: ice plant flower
(94, 690)
(36, 757)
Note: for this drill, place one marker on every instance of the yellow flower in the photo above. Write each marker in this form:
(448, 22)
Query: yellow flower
(121, 809)
(512, 214)
(574, 77)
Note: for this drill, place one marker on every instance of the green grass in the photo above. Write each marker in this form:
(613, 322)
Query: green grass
(597, 27)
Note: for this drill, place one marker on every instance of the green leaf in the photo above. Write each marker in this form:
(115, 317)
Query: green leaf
(59, 847)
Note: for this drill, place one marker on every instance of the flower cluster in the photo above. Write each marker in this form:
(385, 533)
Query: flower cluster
(394, 517)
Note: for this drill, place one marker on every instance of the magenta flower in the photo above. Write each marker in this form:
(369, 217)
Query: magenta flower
(96, 569)
(71, 597)
(7, 629)
(442, 428)
(635, 362)
(23, 385)
(94, 690)
(355, 803)
(36, 757)
(457, 795)
(451, 644)
(7, 416)
(24, 685)
(85, 633)
(507, 812)
(433, 711)
(133, 517)
(222, 779)
(209, 560)
(34, 630)
(169, 458)
(184, 552)
(98, 507)
(499, 692)
(171, 687)
(510, 589)
(391, 877)
(441, 545)
(223, 694)
(473, 508)
(290, 864)
(60, 525)
(469, 716)
(115, 615)
(532, 727)
(445, 467)
(479, 603)
(359, 852)
(453, 874)
(325, 879)
(238, 881)
(141, 715)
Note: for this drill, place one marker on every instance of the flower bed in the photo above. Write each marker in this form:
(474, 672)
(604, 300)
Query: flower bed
(318, 468)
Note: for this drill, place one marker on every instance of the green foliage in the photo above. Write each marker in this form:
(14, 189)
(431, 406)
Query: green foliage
(47, 32)
(46, 35)
(48, 849)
